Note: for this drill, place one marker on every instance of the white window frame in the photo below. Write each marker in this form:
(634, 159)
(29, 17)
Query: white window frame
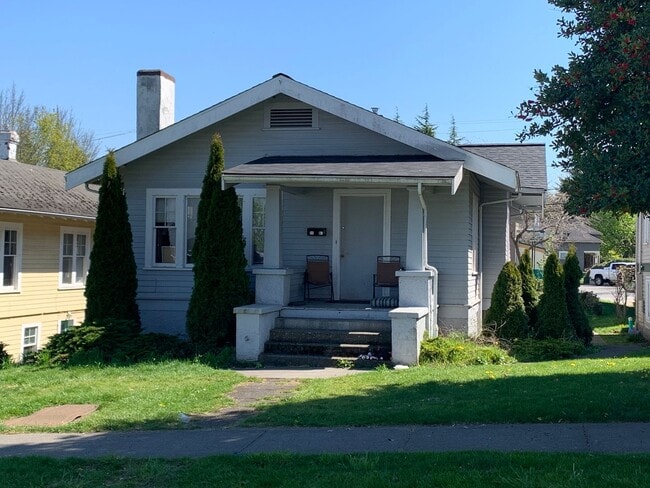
(246, 196)
(181, 195)
(562, 255)
(75, 231)
(645, 226)
(15, 288)
(70, 325)
(23, 337)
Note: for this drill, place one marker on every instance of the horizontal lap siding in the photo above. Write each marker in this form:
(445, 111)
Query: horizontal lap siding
(495, 240)
(39, 299)
(182, 165)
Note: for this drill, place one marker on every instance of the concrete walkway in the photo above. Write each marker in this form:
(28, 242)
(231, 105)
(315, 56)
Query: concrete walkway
(593, 438)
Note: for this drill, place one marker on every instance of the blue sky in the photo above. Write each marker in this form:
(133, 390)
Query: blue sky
(472, 59)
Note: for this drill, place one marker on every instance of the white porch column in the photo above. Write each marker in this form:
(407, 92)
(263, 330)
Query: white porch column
(273, 227)
(415, 250)
(272, 280)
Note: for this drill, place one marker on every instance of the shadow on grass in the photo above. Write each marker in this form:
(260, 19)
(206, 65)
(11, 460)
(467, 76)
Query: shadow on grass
(598, 397)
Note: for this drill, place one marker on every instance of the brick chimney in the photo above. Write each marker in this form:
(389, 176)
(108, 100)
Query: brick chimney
(8, 144)
(155, 100)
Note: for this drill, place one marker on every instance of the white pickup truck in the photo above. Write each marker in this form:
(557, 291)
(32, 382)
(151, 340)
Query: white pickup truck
(607, 273)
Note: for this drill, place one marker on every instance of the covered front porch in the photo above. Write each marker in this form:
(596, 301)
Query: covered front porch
(351, 218)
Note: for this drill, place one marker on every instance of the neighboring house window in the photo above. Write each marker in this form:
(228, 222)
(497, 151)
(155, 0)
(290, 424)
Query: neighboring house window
(30, 338)
(290, 116)
(645, 225)
(562, 255)
(11, 235)
(171, 227)
(65, 325)
(75, 253)
(253, 207)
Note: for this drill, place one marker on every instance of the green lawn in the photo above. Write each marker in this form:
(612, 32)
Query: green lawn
(580, 390)
(142, 396)
(447, 470)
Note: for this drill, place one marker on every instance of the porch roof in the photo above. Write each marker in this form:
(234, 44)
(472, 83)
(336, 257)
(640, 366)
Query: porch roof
(347, 170)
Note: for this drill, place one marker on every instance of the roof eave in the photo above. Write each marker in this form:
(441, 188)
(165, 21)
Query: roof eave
(41, 213)
(229, 180)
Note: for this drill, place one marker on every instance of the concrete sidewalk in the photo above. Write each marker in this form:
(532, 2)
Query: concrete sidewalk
(595, 438)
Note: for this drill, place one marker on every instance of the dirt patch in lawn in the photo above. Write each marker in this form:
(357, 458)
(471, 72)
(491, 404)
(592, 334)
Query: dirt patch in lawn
(245, 396)
(53, 416)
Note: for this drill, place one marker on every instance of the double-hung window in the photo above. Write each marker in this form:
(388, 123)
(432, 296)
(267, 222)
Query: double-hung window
(11, 235)
(75, 254)
(30, 338)
(171, 227)
(172, 219)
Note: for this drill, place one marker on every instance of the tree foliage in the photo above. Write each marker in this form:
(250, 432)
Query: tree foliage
(423, 123)
(553, 317)
(454, 138)
(597, 108)
(572, 281)
(48, 137)
(507, 313)
(618, 234)
(112, 283)
(220, 280)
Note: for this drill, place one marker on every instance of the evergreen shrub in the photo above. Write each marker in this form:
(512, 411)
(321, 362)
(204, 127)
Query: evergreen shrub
(577, 314)
(535, 350)
(507, 314)
(553, 317)
(529, 288)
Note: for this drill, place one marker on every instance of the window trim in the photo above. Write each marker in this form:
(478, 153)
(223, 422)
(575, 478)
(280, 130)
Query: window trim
(247, 195)
(181, 195)
(35, 325)
(646, 298)
(75, 231)
(18, 227)
(562, 255)
(60, 327)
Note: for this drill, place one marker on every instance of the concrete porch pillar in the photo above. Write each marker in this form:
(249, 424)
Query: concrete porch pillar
(415, 233)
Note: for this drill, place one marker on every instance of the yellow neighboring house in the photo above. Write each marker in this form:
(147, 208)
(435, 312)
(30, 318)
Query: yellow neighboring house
(45, 241)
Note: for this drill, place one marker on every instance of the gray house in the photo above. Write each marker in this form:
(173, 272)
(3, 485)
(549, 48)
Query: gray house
(586, 240)
(317, 175)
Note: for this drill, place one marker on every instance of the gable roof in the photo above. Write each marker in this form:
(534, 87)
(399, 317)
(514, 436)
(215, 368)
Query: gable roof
(529, 160)
(577, 230)
(38, 190)
(500, 174)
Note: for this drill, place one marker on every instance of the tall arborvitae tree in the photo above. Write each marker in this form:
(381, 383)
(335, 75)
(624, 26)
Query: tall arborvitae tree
(529, 291)
(506, 314)
(553, 317)
(572, 280)
(112, 283)
(220, 279)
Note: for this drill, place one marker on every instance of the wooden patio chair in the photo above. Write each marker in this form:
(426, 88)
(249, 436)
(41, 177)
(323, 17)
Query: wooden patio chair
(385, 276)
(318, 274)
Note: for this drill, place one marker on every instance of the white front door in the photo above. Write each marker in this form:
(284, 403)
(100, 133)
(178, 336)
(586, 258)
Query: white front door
(360, 236)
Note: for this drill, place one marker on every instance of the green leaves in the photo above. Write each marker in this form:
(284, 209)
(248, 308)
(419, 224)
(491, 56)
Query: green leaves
(597, 108)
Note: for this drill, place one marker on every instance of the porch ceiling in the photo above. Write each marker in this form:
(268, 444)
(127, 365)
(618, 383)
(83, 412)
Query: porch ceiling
(346, 171)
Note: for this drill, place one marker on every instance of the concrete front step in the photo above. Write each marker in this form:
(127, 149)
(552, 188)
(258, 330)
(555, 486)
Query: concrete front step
(284, 334)
(325, 349)
(296, 360)
(316, 323)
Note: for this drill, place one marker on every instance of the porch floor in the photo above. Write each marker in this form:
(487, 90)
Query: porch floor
(335, 310)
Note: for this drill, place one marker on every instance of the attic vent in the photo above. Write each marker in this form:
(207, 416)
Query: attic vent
(290, 118)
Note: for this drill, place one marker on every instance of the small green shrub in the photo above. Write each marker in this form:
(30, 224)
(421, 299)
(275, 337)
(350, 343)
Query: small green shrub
(534, 350)
(507, 315)
(591, 303)
(5, 357)
(461, 351)
(112, 342)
